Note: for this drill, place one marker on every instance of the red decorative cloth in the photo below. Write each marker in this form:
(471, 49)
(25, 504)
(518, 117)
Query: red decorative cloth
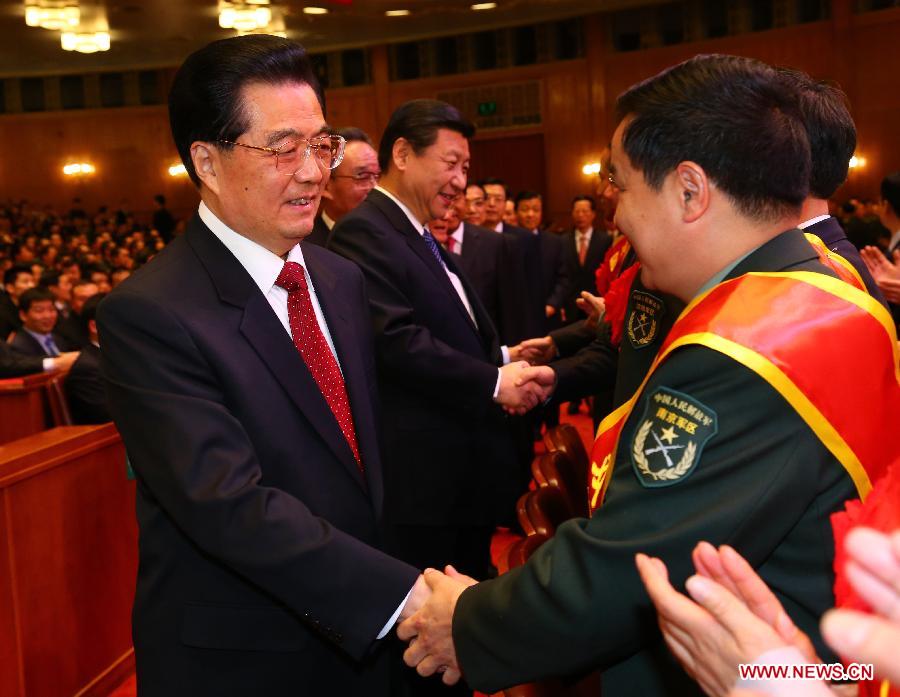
(880, 511)
(315, 351)
(611, 267)
(616, 299)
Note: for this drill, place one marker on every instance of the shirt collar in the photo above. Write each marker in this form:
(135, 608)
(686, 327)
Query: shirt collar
(457, 234)
(42, 338)
(327, 219)
(587, 233)
(812, 221)
(262, 265)
(416, 224)
(499, 227)
(720, 276)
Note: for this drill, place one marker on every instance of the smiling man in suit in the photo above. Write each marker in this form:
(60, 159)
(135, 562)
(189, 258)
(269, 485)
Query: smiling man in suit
(240, 374)
(443, 375)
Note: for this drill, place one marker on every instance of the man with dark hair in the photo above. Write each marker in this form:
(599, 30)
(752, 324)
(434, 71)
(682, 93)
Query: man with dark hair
(441, 370)
(240, 374)
(350, 183)
(526, 251)
(711, 162)
(60, 285)
(84, 387)
(38, 314)
(16, 280)
(832, 140)
(555, 279)
(475, 203)
(583, 247)
(72, 328)
(886, 270)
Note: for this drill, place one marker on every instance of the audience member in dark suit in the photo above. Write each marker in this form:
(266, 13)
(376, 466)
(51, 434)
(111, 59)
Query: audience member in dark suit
(583, 247)
(348, 185)
(60, 285)
(526, 250)
(886, 270)
(243, 387)
(555, 280)
(72, 328)
(84, 387)
(36, 336)
(16, 280)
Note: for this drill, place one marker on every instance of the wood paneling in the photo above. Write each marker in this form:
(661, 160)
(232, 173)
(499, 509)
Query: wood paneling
(23, 408)
(70, 547)
(132, 148)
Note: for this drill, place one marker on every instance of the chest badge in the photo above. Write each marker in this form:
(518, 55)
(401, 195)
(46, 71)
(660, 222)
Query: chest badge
(670, 437)
(644, 317)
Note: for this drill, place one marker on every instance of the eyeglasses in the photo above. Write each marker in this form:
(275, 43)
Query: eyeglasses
(360, 177)
(293, 155)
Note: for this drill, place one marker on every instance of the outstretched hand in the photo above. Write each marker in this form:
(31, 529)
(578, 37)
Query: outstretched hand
(429, 631)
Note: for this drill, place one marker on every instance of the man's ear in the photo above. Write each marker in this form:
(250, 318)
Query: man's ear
(692, 186)
(400, 153)
(206, 159)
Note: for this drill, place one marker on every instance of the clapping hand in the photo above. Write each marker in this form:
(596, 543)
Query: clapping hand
(885, 272)
(429, 631)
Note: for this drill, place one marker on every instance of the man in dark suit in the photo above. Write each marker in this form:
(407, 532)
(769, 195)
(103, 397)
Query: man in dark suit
(555, 280)
(240, 373)
(72, 327)
(526, 250)
(574, 605)
(84, 387)
(583, 247)
(38, 314)
(441, 370)
(350, 183)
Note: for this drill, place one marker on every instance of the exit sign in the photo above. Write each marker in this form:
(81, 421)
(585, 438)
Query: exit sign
(487, 108)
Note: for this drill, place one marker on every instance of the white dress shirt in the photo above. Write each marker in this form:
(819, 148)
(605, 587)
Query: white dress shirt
(264, 267)
(458, 234)
(329, 223)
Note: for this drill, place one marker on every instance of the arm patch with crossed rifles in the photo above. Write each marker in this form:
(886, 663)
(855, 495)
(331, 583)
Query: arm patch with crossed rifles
(673, 430)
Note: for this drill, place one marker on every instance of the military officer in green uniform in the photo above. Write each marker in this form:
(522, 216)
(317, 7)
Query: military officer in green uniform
(712, 164)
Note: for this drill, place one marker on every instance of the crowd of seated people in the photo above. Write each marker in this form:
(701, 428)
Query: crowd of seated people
(55, 268)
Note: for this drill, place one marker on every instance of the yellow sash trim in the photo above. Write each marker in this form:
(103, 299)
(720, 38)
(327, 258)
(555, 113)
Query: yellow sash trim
(820, 425)
(837, 257)
(885, 688)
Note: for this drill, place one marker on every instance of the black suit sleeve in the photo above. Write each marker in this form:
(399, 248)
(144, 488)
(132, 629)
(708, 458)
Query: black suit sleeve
(194, 457)
(86, 393)
(406, 347)
(14, 364)
(562, 280)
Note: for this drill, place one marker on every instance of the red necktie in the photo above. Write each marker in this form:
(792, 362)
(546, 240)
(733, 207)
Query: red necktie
(316, 353)
(582, 248)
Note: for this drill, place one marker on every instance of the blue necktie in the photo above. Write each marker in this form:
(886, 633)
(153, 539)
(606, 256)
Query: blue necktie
(433, 246)
(51, 347)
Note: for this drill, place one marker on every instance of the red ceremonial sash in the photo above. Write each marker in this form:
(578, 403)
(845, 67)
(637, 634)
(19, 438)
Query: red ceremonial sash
(827, 347)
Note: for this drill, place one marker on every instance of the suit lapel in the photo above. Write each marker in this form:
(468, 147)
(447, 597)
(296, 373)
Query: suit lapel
(417, 244)
(260, 326)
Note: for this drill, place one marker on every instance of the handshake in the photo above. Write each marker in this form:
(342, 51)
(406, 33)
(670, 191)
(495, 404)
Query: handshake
(426, 622)
(523, 387)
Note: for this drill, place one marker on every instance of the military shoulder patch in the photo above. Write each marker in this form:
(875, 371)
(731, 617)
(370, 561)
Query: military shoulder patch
(642, 323)
(670, 436)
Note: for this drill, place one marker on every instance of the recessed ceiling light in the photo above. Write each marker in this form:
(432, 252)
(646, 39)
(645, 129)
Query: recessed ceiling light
(315, 10)
(396, 13)
(484, 6)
